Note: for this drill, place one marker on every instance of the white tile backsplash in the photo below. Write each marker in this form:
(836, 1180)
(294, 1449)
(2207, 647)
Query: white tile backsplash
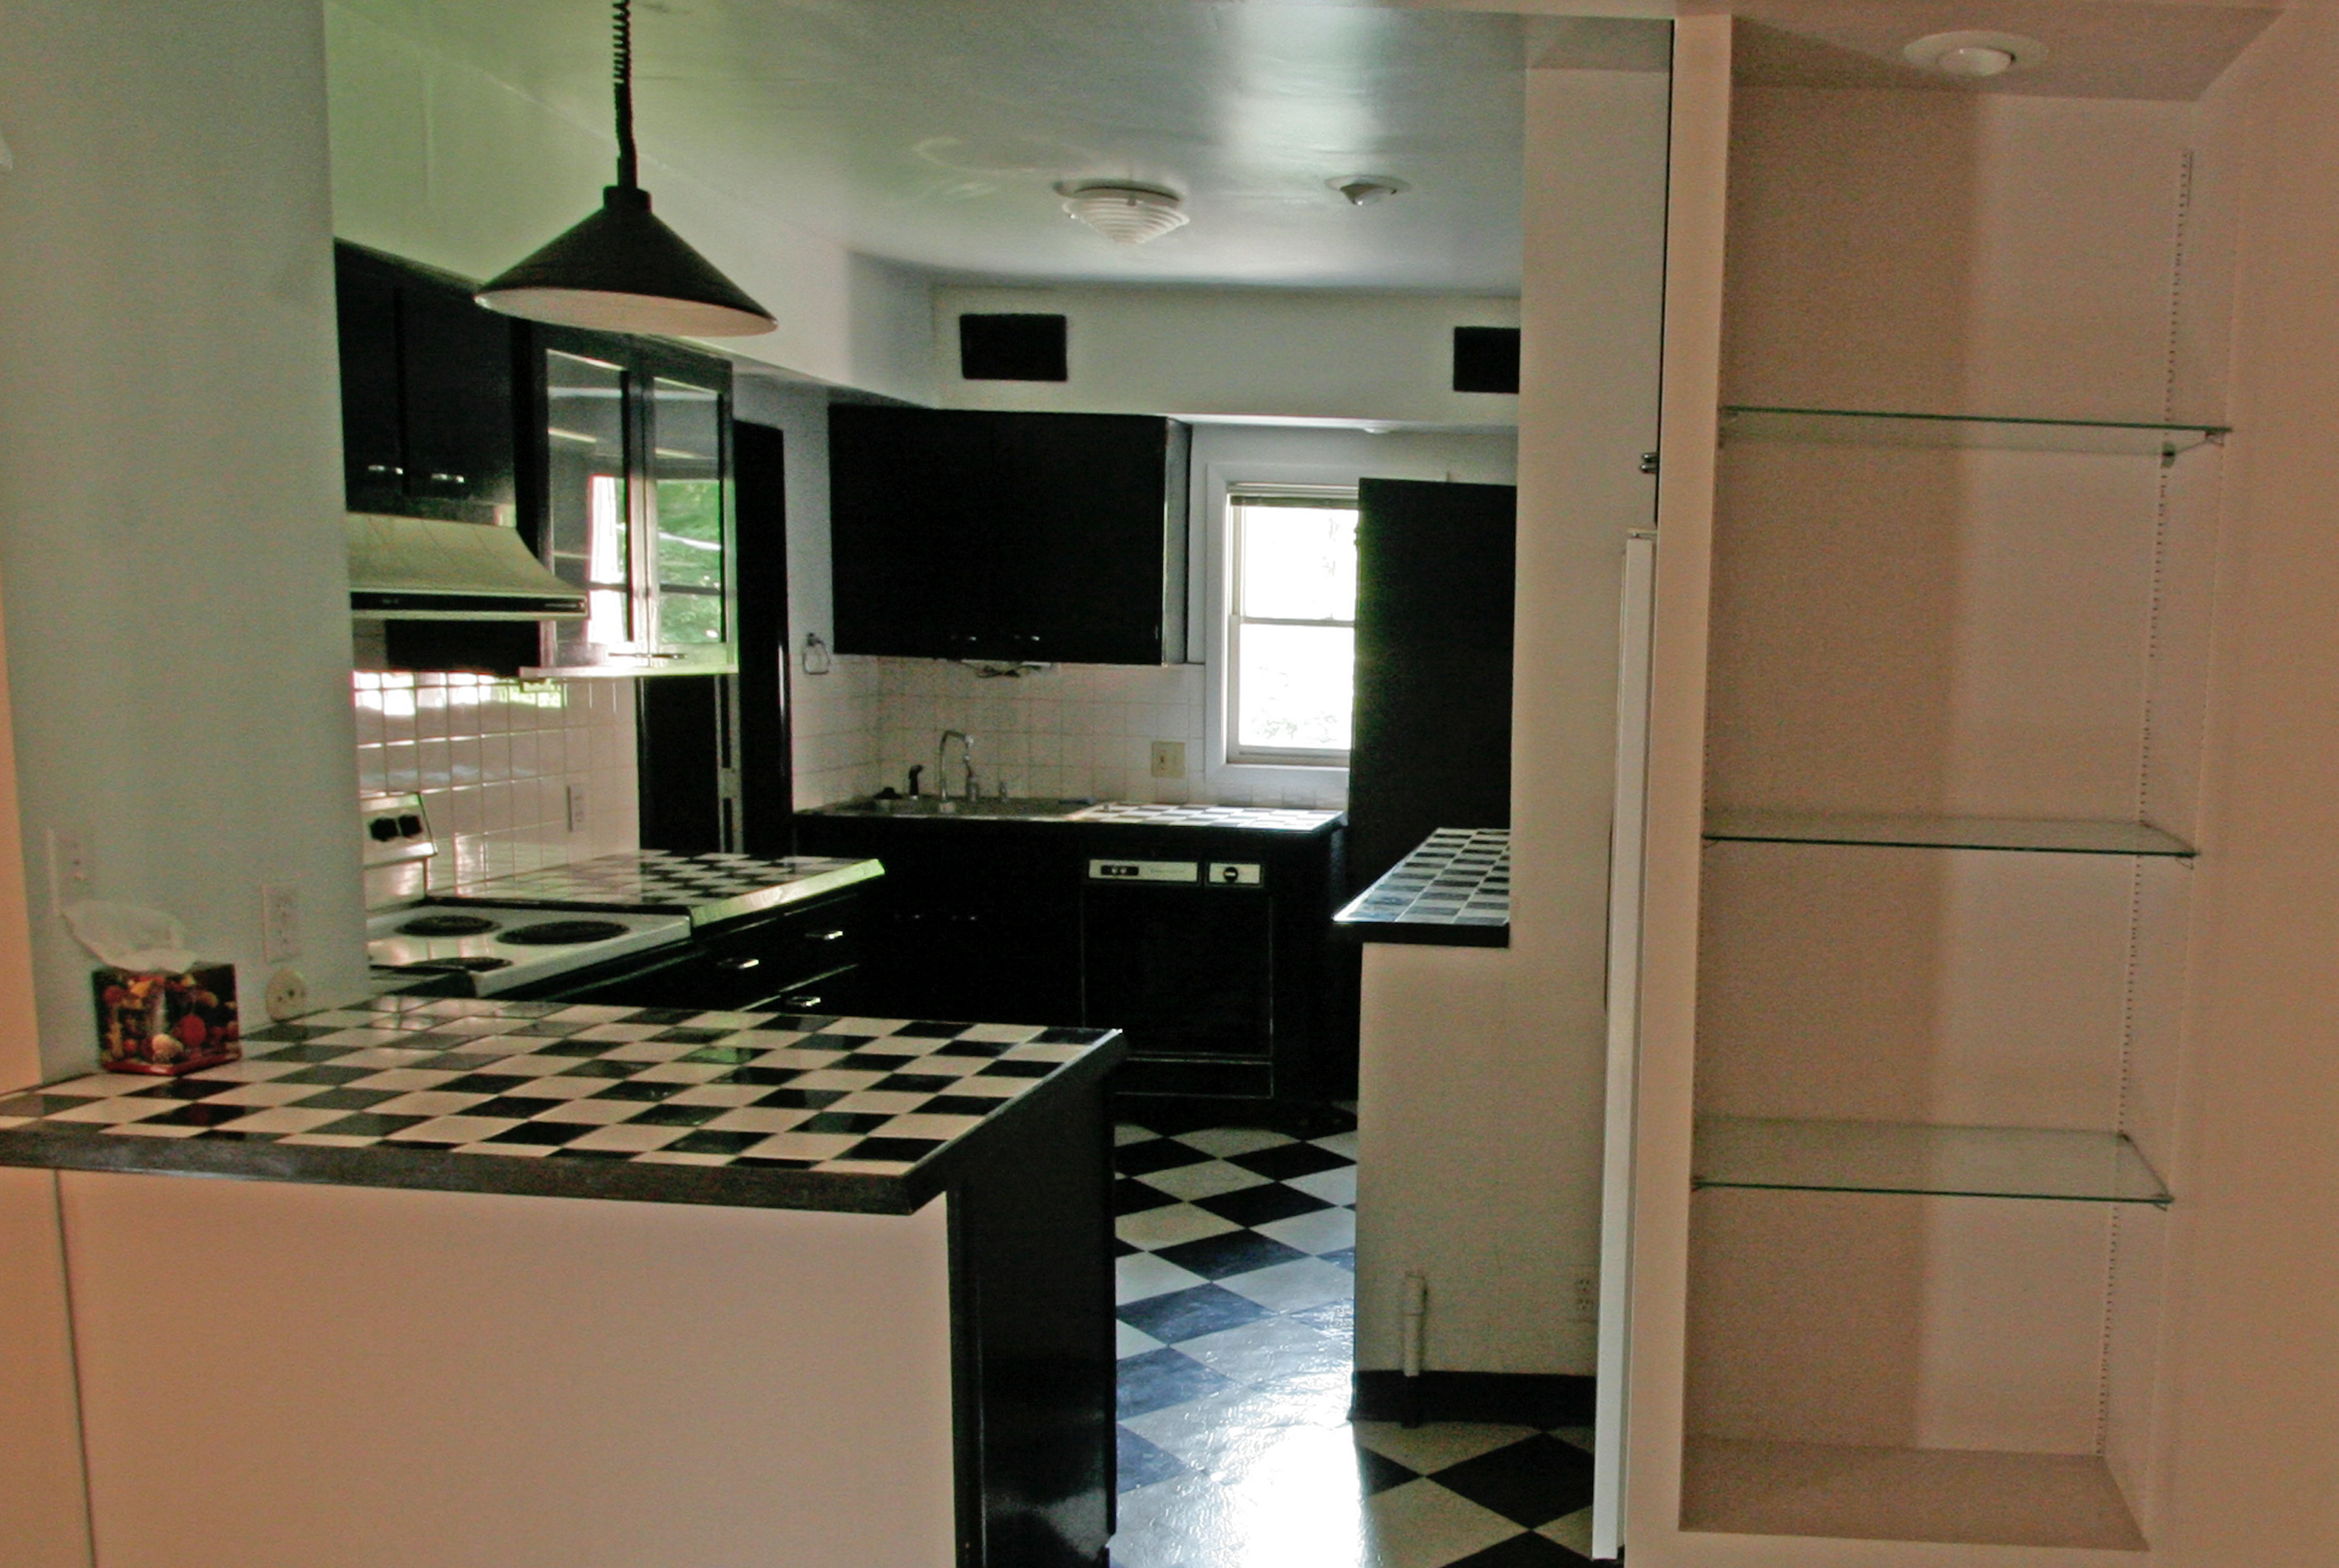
(1066, 730)
(494, 761)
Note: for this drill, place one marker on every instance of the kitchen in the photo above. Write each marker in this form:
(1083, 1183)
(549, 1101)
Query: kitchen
(223, 552)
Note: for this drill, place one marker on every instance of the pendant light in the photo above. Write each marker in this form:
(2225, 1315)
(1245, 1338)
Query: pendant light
(622, 270)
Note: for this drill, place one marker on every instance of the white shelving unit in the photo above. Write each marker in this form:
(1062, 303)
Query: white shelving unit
(1926, 728)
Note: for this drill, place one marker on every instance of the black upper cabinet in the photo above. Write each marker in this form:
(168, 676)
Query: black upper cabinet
(907, 513)
(426, 392)
(1055, 537)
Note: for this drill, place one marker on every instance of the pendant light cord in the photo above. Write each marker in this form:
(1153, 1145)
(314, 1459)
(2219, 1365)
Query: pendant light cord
(623, 49)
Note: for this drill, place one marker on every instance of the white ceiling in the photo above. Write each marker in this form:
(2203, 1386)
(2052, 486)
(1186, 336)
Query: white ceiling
(930, 133)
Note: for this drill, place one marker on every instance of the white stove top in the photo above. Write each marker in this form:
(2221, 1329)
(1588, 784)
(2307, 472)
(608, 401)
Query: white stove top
(500, 949)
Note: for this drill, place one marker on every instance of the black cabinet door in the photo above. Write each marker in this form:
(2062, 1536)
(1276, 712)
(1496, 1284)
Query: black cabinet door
(457, 373)
(1079, 528)
(373, 441)
(428, 425)
(960, 533)
(1432, 740)
(909, 513)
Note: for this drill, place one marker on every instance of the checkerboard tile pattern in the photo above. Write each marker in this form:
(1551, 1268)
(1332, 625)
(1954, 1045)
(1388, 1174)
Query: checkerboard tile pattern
(1272, 819)
(531, 1081)
(705, 886)
(1458, 877)
(1237, 1311)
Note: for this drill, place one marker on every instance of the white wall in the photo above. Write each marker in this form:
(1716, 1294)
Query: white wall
(437, 160)
(170, 479)
(1480, 1106)
(1287, 353)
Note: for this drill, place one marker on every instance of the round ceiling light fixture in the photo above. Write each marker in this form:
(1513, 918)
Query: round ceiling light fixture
(1364, 190)
(1975, 55)
(1123, 211)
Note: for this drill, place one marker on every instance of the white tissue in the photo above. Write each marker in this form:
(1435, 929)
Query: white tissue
(142, 940)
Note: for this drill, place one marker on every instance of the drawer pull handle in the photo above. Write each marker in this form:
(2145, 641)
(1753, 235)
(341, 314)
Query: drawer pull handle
(823, 936)
(737, 963)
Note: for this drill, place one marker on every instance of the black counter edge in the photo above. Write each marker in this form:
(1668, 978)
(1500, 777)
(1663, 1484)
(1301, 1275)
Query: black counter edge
(1416, 933)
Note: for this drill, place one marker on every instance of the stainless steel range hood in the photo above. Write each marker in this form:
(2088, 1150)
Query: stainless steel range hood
(421, 569)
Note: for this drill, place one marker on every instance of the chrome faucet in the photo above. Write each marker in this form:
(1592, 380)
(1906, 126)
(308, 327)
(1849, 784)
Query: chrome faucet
(966, 760)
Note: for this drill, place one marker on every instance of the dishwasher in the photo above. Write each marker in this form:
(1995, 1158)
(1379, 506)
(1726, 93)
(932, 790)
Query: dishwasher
(1180, 955)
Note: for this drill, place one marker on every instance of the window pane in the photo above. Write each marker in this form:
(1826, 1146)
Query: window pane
(1298, 563)
(587, 496)
(1293, 685)
(686, 486)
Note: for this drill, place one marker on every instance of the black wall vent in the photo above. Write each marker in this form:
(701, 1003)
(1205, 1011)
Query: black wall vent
(1485, 359)
(999, 348)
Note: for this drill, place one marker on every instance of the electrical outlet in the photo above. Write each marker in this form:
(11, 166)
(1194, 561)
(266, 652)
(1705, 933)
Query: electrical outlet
(288, 995)
(577, 808)
(279, 922)
(1169, 759)
(73, 871)
(1583, 1296)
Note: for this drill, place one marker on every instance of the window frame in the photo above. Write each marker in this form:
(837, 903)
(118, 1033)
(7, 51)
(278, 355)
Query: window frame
(1328, 496)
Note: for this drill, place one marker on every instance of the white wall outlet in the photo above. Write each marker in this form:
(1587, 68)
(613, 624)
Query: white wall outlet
(288, 994)
(279, 922)
(1169, 759)
(1583, 1296)
(576, 817)
(72, 868)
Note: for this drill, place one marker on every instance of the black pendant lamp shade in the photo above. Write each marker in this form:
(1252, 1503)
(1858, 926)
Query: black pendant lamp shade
(622, 270)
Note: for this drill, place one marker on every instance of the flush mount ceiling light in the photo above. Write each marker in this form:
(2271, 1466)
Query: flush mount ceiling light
(1124, 213)
(1364, 190)
(622, 270)
(1975, 55)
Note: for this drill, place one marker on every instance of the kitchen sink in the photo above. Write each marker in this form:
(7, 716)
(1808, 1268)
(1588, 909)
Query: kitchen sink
(1013, 807)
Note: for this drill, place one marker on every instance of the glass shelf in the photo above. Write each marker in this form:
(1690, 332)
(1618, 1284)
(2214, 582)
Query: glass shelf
(1931, 1161)
(1943, 833)
(1876, 428)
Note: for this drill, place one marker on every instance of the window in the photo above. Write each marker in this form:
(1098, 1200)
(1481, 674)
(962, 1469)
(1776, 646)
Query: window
(1291, 628)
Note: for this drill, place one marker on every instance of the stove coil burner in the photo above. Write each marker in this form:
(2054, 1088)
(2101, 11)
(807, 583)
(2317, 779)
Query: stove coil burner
(562, 933)
(446, 925)
(453, 966)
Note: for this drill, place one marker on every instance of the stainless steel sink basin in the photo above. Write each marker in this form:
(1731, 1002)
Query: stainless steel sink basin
(1011, 809)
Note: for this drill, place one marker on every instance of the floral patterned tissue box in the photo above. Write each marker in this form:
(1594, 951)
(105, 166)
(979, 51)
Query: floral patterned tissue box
(167, 1023)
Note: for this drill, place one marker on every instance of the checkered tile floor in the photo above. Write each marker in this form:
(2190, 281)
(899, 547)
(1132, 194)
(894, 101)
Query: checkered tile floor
(1237, 1307)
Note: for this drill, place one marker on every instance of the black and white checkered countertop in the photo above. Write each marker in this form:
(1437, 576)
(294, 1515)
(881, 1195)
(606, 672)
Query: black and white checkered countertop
(661, 1105)
(1455, 891)
(1247, 818)
(709, 888)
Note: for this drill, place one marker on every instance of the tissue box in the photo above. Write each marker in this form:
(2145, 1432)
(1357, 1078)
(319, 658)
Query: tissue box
(166, 1023)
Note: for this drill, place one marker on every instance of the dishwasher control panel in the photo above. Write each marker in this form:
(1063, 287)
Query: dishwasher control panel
(1185, 872)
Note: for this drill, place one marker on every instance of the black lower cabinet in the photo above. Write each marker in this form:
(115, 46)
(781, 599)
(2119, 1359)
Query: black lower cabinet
(1225, 989)
(806, 959)
(1033, 1338)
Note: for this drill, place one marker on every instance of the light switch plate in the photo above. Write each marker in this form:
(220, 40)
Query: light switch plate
(73, 870)
(279, 922)
(1169, 759)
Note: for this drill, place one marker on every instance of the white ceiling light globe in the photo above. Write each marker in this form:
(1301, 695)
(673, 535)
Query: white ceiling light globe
(1974, 56)
(1977, 60)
